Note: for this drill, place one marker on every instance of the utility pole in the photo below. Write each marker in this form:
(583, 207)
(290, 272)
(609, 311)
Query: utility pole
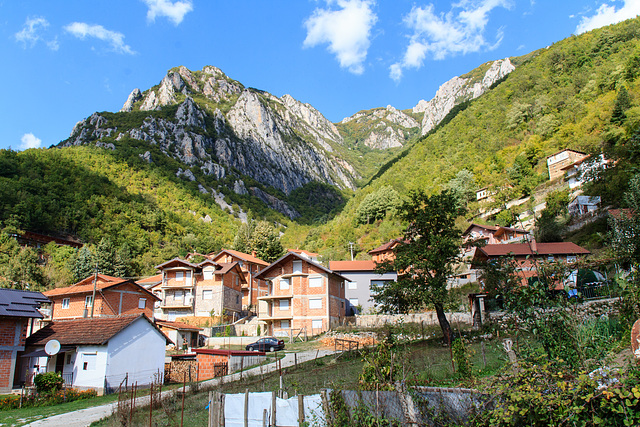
(351, 249)
(93, 296)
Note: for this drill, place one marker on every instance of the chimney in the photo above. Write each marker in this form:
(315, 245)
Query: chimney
(254, 254)
(534, 245)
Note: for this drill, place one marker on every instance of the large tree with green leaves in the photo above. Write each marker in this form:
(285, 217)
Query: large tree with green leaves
(425, 258)
(261, 237)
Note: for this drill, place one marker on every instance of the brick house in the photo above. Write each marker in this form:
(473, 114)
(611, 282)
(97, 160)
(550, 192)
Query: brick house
(217, 362)
(303, 295)
(384, 251)
(17, 311)
(529, 256)
(199, 290)
(250, 265)
(556, 162)
(114, 296)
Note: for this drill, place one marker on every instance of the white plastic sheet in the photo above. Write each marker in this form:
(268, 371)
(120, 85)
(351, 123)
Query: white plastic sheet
(286, 410)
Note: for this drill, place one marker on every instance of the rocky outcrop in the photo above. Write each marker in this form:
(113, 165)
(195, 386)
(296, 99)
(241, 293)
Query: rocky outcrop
(458, 90)
(134, 97)
(274, 203)
(383, 128)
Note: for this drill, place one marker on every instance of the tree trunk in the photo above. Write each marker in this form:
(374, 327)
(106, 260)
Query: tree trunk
(444, 324)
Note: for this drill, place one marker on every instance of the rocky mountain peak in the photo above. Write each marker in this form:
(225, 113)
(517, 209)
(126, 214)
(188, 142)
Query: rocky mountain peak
(457, 90)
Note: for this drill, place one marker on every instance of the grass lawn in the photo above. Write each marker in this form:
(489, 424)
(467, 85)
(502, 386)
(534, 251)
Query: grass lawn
(426, 362)
(24, 416)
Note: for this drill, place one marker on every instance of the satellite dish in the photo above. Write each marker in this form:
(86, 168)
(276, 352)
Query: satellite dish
(52, 347)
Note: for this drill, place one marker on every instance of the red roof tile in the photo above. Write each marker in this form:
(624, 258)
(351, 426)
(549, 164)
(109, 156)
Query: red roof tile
(96, 331)
(242, 256)
(385, 246)
(177, 325)
(86, 285)
(366, 265)
(523, 249)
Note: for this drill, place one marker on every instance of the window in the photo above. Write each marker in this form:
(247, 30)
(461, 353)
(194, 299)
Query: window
(284, 304)
(315, 282)
(380, 282)
(178, 295)
(352, 285)
(316, 324)
(208, 274)
(550, 258)
(68, 358)
(284, 324)
(237, 299)
(297, 267)
(187, 275)
(284, 284)
(179, 276)
(65, 302)
(353, 301)
(207, 294)
(88, 301)
(571, 259)
(89, 362)
(142, 303)
(315, 303)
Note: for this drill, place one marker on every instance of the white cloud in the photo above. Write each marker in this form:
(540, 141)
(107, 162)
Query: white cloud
(346, 30)
(29, 140)
(115, 39)
(174, 11)
(30, 33)
(461, 30)
(608, 14)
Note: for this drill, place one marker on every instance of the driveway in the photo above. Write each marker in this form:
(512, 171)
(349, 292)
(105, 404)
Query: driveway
(85, 417)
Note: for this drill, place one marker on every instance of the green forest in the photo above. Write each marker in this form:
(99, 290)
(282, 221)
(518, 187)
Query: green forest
(581, 93)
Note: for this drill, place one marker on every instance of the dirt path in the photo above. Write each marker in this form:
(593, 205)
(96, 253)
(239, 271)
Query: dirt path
(85, 417)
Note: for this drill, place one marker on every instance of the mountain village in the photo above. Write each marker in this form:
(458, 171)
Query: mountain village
(214, 244)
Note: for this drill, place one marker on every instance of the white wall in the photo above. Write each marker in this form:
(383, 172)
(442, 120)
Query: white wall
(93, 376)
(139, 351)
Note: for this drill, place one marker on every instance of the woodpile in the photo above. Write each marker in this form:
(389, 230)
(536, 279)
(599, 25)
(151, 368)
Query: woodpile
(176, 370)
(362, 338)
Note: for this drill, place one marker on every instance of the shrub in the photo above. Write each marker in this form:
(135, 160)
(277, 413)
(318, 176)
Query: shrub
(48, 382)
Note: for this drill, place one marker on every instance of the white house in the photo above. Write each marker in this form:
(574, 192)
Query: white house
(582, 205)
(99, 353)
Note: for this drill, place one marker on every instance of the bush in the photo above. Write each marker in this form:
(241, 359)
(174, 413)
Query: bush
(48, 382)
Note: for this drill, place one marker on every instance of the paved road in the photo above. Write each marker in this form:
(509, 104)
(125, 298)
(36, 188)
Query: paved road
(85, 417)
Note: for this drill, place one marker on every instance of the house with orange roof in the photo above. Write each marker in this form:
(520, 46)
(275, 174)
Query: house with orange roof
(250, 264)
(530, 256)
(199, 290)
(304, 296)
(114, 296)
(361, 277)
(384, 251)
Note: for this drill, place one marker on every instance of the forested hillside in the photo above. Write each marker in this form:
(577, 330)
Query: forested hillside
(563, 96)
(134, 183)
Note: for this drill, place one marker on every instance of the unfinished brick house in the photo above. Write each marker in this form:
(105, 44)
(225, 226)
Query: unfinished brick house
(199, 290)
(114, 296)
(303, 296)
(250, 265)
(17, 310)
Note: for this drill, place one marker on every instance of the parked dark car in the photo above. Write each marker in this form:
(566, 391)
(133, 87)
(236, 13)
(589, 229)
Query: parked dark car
(266, 344)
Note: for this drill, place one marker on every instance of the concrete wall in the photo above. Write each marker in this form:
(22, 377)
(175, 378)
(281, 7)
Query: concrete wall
(429, 318)
(361, 280)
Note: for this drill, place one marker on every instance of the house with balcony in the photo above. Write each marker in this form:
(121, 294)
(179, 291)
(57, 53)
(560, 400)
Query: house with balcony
(250, 264)
(199, 290)
(304, 296)
(113, 296)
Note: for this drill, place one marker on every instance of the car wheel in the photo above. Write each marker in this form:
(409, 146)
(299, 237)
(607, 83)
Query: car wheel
(272, 348)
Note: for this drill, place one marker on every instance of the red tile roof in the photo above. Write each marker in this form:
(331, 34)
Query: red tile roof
(367, 265)
(303, 252)
(385, 246)
(177, 325)
(242, 256)
(523, 249)
(96, 331)
(86, 285)
(261, 273)
(486, 227)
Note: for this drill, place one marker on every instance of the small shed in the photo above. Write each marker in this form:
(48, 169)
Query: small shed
(210, 361)
(182, 334)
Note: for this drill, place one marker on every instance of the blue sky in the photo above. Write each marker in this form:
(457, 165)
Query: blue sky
(64, 60)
